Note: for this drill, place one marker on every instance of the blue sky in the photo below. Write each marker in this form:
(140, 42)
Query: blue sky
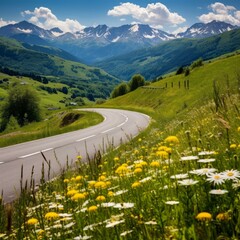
(73, 15)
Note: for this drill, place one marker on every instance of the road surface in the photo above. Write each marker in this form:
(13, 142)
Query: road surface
(118, 126)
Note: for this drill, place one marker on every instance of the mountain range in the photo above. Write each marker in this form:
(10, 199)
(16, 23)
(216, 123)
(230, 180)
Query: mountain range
(94, 44)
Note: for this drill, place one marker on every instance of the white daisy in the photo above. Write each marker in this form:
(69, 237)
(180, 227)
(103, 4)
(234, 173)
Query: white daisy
(145, 179)
(82, 237)
(208, 160)
(109, 204)
(205, 153)
(123, 205)
(179, 176)
(218, 191)
(172, 202)
(114, 223)
(203, 171)
(231, 174)
(189, 158)
(151, 223)
(187, 182)
(216, 178)
(120, 192)
(125, 233)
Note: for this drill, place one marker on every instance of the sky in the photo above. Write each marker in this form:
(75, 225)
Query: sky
(73, 15)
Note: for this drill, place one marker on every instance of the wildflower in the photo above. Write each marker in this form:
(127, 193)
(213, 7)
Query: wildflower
(204, 216)
(179, 176)
(91, 184)
(208, 160)
(85, 237)
(172, 202)
(223, 217)
(231, 174)
(122, 169)
(187, 182)
(203, 171)
(136, 184)
(92, 208)
(120, 192)
(205, 153)
(155, 164)
(162, 154)
(218, 191)
(238, 129)
(110, 193)
(79, 157)
(114, 223)
(66, 180)
(138, 170)
(51, 215)
(102, 178)
(78, 178)
(189, 158)
(124, 205)
(109, 204)
(72, 192)
(78, 196)
(123, 234)
(116, 159)
(233, 146)
(146, 179)
(32, 221)
(100, 185)
(101, 198)
(172, 140)
(216, 178)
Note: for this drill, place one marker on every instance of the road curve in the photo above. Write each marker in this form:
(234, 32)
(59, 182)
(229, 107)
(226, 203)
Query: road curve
(118, 126)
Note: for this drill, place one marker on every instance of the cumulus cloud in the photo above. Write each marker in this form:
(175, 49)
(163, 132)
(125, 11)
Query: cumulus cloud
(156, 15)
(44, 18)
(222, 12)
(180, 30)
(4, 23)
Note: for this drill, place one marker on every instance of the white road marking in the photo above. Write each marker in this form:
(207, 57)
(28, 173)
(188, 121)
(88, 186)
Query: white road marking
(110, 129)
(82, 139)
(48, 149)
(1, 162)
(29, 155)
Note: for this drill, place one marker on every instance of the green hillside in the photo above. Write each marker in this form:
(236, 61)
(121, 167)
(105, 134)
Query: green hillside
(167, 102)
(168, 56)
(87, 80)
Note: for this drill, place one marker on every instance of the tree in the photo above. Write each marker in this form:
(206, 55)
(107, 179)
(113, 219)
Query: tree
(120, 90)
(23, 104)
(180, 70)
(136, 82)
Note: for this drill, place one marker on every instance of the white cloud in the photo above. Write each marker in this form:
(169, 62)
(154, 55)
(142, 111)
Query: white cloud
(156, 15)
(221, 12)
(4, 23)
(44, 18)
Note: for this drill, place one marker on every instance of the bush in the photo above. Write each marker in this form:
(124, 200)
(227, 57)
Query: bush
(137, 81)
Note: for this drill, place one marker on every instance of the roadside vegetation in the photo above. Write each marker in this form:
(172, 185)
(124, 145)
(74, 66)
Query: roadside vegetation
(179, 179)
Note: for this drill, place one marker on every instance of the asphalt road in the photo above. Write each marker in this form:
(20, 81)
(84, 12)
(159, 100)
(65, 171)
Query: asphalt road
(118, 126)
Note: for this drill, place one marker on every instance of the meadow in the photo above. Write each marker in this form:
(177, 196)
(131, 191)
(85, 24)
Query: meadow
(179, 179)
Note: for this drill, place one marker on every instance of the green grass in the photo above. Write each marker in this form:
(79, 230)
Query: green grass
(138, 191)
(49, 127)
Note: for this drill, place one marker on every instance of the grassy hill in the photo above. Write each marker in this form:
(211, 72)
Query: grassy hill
(47, 62)
(168, 56)
(166, 99)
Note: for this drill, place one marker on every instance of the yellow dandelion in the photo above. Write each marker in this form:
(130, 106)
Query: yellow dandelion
(238, 129)
(162, 154)
(116, 159)
(204, 216)
(78, 178)
(92, 208)
(122, 170)
(101, 198)
(223, 217)
(233, 146)
(155, 164)
(66, 180)
(78, 196)
(102, 178)
(51, 215)
(172, 140)
(32, 221)
(79, 157)
(72, 192)
(110, 193)
(136, 184)
(108, 183)
(138, 170)
(100, 185)
(91, 184)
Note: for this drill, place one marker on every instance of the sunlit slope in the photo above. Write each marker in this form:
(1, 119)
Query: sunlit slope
(169, 96)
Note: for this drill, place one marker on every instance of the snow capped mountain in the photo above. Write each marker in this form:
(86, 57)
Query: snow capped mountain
(201, 30)
(101, 42)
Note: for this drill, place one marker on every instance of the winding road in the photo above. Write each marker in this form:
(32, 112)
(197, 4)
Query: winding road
(118, 126)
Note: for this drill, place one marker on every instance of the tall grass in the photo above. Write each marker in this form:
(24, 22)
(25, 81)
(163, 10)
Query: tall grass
(179, 180)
